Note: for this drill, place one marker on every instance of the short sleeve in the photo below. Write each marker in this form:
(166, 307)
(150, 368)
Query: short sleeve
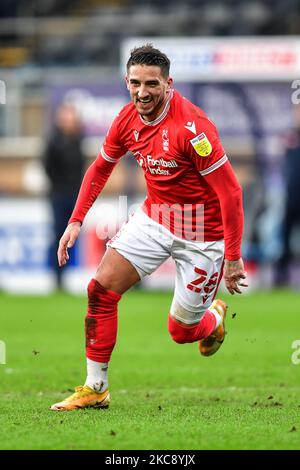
(205, 149)
(113, 149)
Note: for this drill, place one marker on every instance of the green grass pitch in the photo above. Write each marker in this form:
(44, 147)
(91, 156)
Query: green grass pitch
(164, 395)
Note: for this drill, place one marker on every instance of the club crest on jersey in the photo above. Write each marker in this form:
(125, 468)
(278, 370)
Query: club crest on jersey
(202, 145)
(165, 140)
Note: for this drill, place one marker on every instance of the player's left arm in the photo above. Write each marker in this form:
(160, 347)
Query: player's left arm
(211, 161)
(224, 183)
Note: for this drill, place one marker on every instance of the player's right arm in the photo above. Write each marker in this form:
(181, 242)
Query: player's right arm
(92, 184)
(67, 241)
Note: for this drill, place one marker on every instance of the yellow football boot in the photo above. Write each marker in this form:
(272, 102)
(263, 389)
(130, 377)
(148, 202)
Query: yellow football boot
(83, 397)
(210, 345)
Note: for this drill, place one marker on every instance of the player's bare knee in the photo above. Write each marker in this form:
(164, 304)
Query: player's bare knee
(107, 279)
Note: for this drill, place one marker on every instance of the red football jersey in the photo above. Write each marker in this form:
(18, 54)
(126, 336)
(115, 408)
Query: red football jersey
(176, 151)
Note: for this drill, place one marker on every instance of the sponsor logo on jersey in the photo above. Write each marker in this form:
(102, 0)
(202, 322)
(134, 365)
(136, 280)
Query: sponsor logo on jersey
(165, 140)
(154, 165)
(158, 166)
(202, 145)
(190, 126)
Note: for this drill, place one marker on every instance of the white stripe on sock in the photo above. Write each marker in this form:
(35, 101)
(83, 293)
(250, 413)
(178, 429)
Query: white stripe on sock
(216, 315)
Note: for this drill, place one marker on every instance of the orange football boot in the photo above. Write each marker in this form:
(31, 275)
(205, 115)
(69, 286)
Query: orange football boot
(210, 345)
(83, 397)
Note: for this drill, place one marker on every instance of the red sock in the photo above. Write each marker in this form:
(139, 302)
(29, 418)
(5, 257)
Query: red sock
(101, 322)
(189, 334)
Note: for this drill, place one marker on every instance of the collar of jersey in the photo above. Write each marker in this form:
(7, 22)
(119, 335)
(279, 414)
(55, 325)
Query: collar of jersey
(162, 114)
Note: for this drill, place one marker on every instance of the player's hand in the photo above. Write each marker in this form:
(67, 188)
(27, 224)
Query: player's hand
(67, 241)
(234, 273)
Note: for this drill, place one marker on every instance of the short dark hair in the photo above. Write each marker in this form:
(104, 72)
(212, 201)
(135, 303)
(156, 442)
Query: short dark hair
(148, 55)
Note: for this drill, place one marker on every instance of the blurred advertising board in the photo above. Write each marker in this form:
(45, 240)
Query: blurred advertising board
(226, 59)
(26, 237)
(24, 241)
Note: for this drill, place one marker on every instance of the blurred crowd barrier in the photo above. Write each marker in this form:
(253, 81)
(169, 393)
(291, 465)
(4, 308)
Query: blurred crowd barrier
(253, 119)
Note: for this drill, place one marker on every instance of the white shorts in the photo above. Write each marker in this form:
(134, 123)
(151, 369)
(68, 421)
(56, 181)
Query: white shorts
(147, 244)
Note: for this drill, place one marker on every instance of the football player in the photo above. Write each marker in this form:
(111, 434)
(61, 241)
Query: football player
(193, 213)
